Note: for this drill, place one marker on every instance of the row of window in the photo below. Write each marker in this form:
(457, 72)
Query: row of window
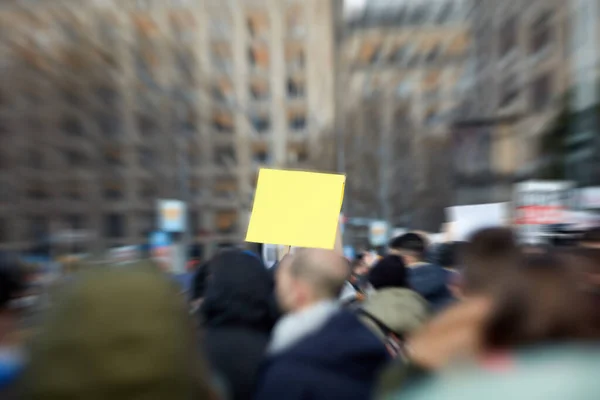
(540, 91)
(540, 33)
(115, 225)
(223, 156)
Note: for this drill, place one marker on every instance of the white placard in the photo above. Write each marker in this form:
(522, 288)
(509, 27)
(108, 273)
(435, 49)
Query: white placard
(466, 220)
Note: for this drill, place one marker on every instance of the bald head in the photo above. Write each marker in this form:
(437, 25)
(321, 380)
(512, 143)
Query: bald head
(324, 270)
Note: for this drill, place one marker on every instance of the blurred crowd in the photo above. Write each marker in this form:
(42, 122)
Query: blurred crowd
(486, 318)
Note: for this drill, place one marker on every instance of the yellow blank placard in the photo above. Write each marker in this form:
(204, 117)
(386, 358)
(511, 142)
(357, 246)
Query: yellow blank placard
(296, 208)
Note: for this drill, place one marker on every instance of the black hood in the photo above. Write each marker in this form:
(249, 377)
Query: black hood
(238, 292)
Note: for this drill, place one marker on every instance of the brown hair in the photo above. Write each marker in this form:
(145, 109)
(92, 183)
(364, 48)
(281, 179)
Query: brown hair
(545, 301)
(488, 259)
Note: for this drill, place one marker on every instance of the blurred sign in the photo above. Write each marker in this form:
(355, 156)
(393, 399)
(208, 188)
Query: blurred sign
(161, 250)
(589, 198)
(467, 220)
(125, 254)
(378, 233)
(172, 215)
(72, 236)
(541, 203)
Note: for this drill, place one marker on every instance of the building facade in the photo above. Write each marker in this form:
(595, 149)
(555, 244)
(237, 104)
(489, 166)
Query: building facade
(108, 106)
(516, 90)
(404, 64)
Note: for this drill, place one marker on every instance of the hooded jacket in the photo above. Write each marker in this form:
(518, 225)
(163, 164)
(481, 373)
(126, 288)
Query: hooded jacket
(237, 317)
(431, 282)
(339, 361)
(402, 310)
(117, 334)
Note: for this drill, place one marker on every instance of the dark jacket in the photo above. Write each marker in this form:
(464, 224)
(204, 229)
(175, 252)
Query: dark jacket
(237, 317)
(431, 282)
(340, 361)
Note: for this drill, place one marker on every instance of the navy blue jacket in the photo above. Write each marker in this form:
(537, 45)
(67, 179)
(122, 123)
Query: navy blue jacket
(340, 361)
(431, 282)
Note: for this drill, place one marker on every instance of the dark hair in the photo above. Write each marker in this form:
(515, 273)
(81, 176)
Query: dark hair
(390, 271)
(409, 242)
(11, 278)
(488, 258)
(448, 254)
(544, 302)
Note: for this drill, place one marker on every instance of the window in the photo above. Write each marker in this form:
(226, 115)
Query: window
(114, 226)
(225, 156)
(75, 221)
(109, 124)
(509, 91)
(147, 125)
(74, 158)
(4, 229)
(508, 35)
(107, 95)
(194, 222)
(541, 32)
(36, 190)
(261, 123)
(258, 57)
(195, 188)
(220, 28)
(38, 229)
(223, 121)
(294, 55)
(297, 122)
(226, 221)
(147, 157)
(113, 156)
(259, 90)
(296, 26)
(434, 54)
(399, 54)
(35, 159)
(261, 156)
(72, 126)
(72, 98)
(146, 223)
(258, 24)
(74, 190)
(295, 88)
(194, 157)
(541, 92)
(113, 190)
(298, 155)
(376, 56)
(225, 188)
(147, 190)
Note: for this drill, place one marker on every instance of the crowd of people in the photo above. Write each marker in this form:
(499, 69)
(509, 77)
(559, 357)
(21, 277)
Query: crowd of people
(486, 317)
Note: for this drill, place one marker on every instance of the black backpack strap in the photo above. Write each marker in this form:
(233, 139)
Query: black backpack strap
(383, 327)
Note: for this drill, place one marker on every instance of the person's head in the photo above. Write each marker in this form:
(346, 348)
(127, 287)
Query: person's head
(447, 255)
(389, 272)
(239, 292)
(310, 276)
(544, 302)
(591, 239)
(120, 334)
(488, 258)
(410, 246)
